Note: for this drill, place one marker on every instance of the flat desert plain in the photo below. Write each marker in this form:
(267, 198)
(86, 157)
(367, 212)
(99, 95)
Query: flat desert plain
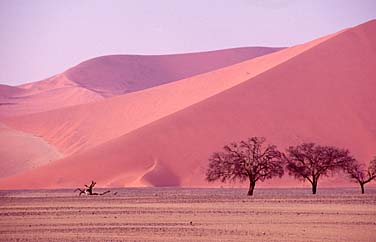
(178, 214)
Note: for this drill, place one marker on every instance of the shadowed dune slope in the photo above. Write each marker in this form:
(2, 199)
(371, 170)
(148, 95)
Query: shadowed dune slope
(105, 76)
(118, 74)
(7, 91)
(77, 128)
(6, 94)
(325, 94)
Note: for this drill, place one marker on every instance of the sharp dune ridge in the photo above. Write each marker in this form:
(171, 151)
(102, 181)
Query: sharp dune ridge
(321, 91)
(119, 74)
(108, 76)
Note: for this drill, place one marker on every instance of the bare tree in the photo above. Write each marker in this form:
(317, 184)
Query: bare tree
(246, 160)
(358, 173)
(309, 161)
(89, 190)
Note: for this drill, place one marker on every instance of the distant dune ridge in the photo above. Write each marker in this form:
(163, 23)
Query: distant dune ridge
(162, 135)
(107, 76)
(9, 91)
(119, 74)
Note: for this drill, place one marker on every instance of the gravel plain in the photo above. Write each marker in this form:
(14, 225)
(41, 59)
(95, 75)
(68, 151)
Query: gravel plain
(179, 214)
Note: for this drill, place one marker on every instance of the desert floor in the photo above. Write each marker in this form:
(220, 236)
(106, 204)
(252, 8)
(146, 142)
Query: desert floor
(173, 214)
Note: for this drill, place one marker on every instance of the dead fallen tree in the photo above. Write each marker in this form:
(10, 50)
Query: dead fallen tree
(89, 190)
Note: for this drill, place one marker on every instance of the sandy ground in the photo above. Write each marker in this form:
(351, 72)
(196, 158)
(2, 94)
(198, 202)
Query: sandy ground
(151, 214)
(20, 151)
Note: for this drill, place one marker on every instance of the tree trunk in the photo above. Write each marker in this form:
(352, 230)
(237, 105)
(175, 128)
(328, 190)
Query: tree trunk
(362, 187)
(314, 187)
(251, 188)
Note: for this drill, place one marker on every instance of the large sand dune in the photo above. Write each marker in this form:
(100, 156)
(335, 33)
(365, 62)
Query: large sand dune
(81, 127)
(72, 129)
(324, 93)
(106, 76)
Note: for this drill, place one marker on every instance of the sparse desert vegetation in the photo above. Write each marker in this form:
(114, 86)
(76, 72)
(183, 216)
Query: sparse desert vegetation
(254, 161)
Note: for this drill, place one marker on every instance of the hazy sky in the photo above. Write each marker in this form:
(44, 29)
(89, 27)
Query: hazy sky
(40, 38)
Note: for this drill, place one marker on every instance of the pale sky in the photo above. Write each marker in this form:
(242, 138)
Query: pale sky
(40, 38)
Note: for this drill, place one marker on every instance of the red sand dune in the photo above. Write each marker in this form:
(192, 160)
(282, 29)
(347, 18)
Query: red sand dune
(323, 94)
(81, 127)
(106, 76)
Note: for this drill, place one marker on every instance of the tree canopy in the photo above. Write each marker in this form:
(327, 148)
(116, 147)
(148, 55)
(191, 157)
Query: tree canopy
(310, 161)
(360, 174)
(251, 159)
